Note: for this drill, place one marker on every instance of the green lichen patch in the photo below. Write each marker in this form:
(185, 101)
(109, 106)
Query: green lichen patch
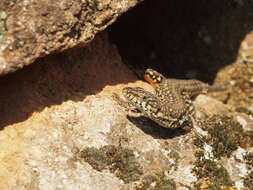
(175, 156)
(156, 182)
(3, 14)
(2, 30)
(248, 180)
(118, 160)
(212, 173)
(20, 43)
(225, 136)
(249, 159)
(250, 134)
(96, 158)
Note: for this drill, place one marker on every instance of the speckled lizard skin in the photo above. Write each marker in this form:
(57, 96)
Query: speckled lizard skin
(171, 104)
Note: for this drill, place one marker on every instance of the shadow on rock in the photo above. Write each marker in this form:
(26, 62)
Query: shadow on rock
(150, 127)
(57, 78)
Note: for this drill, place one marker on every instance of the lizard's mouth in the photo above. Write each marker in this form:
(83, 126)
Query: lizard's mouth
(151, 81)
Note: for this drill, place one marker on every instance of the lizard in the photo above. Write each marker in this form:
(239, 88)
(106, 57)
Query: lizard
(170, 106)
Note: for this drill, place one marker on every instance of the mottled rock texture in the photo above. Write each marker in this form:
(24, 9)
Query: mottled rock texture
(32, 29)
(63, 130)
(60, 128)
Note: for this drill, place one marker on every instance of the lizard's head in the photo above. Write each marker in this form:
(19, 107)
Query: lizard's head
(130, 94)
(142, 100)
(153, 77)
(136, 95)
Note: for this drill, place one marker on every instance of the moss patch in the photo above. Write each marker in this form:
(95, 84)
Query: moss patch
(156, 182)
(3, 17)
(249, 159)
(96, 158)
(213, 174)
(225, 136)
(175, 156)
(248, 180)
(118, 160)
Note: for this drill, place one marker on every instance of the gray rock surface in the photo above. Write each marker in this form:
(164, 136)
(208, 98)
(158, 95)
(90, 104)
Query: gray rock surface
(76, 140)
(32, 29)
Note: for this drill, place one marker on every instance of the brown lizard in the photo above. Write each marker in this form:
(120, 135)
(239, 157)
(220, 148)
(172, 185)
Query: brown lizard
(170, 106)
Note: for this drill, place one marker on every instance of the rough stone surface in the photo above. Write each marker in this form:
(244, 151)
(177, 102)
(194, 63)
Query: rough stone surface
(239, 77)
(32, 29)
(47, 121)
(59, 107)
(246, 49)
(72, 75)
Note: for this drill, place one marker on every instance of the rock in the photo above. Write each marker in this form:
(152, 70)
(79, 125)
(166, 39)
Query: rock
(246, 49)
(53, 80)
(30, 29)
(239, 76)
(63, 130)
(210, 106)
